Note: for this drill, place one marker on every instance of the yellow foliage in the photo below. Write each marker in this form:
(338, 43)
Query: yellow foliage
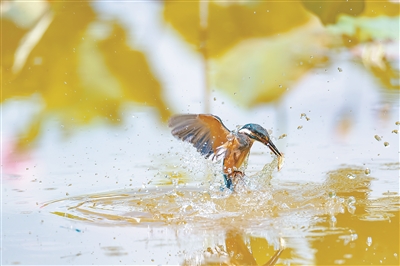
(329, 11)
(381, 8)
(230, 23)
(79, 75)
(262, 70)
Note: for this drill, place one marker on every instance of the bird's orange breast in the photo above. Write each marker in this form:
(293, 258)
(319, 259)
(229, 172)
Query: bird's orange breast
(236, 154)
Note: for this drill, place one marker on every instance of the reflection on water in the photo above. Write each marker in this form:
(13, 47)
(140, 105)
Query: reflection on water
(112, 72)
(253, 226)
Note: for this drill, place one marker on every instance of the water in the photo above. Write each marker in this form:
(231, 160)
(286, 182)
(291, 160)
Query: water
(267, 212)
(150, 199)
(105, 182)
(116, 204)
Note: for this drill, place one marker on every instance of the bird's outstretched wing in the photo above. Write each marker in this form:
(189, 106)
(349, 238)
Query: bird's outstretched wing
(205, 132)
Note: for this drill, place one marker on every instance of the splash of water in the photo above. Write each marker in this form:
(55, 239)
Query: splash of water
(257, 201)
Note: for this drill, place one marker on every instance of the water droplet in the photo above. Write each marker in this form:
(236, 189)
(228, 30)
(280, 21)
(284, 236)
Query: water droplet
(299, 127)
(369, 241)
(65, 82)
(353, 237)
(351, 176)
(332, 194)
(311, 56)
(351, 208)
(230, 137)
(395, 131)
(340, 70)
(37, 60)
(350, 205)
(215, 99)
(386, 144)
(280, 86)
(339, 261)
(255, 12)
(282, 136)
(347, 256)
(62, 126)
(367, 171)
(397, 123)
(377, 138)
(351, 200)
(332, 221)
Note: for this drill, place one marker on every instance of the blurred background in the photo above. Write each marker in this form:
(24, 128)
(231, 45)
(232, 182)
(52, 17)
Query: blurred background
(88, 87)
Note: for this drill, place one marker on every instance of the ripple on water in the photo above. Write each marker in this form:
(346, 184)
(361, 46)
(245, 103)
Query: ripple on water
(202, 207)
(259, 210)
(254, 202)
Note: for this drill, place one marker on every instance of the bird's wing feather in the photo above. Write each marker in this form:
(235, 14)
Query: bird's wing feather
(205, 132)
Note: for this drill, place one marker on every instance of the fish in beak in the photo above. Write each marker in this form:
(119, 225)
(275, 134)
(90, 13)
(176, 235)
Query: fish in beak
(267, 141)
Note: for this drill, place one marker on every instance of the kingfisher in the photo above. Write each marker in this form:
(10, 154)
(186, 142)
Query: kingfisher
(213, 139)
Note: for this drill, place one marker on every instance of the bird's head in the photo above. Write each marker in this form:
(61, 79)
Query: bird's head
(257, 132)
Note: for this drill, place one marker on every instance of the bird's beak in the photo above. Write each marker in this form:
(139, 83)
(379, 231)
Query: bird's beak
(272, 146)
